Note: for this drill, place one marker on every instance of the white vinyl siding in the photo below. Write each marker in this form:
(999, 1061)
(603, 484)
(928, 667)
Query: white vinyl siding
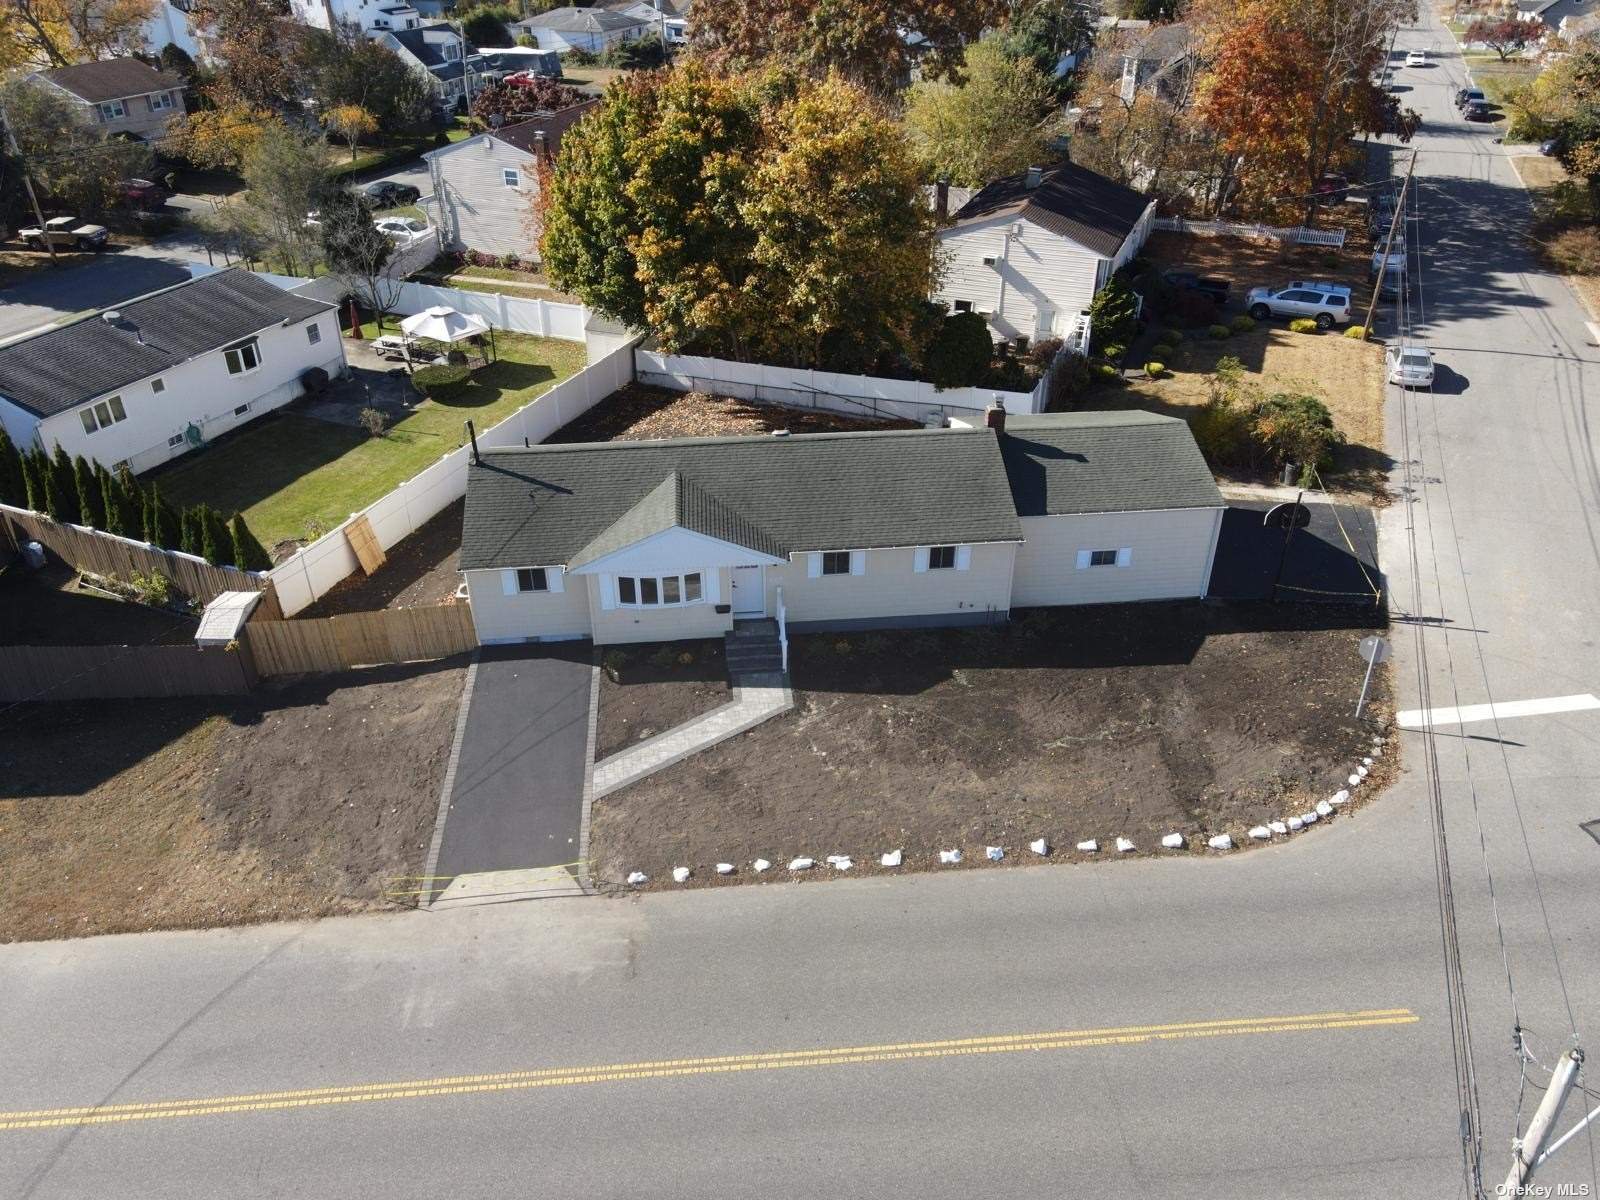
(503, 615)
(477, 206)
(888, 585)
(1040, 270)
(657, 623)
(1155, 556)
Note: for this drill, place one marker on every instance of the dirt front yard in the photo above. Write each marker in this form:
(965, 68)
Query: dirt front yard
(650, 688)
(1071, 724)
(302, 801)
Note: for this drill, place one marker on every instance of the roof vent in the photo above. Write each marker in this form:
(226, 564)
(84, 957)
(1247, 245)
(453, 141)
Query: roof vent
(111, 316)
(1033, 177)
(780, 433)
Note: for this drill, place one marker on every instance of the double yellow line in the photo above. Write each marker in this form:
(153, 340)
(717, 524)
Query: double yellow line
(513, 1081)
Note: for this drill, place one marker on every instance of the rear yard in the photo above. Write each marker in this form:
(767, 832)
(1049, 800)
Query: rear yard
(295, 802)
(294, 476)
(1070, 724)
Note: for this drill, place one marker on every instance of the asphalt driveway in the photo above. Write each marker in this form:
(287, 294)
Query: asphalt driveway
(1330, 561)
(517, 801)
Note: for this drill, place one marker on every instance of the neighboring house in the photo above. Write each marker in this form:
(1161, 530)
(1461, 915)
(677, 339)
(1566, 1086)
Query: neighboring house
(1030, 251)
(122, 96)
(155, 377)
(1566, 18)
(451, 63)
(660, 540)
(484, 188)
(369, 16)
(518, 60)
(1162, 57)
(592, 29)
(668, 19)
(172, 23)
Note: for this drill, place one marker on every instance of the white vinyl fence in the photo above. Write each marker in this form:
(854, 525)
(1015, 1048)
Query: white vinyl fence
(851, 395)
(315, 569)
(1297, 234)
(542, 317)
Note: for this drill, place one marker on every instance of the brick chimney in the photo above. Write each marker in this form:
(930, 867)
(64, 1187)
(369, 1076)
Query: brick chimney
(994, 417)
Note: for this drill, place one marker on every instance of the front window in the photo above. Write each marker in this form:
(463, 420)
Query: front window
(1102, 558)
(836, 562)
(659, 591)
(242, 358)
(160, 101)
(112, 110)
(941, 558)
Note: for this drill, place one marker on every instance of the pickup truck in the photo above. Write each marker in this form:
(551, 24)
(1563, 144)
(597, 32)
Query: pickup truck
(1206, 285)
(66, 232)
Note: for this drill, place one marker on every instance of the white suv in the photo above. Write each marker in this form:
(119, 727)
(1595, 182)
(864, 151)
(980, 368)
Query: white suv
(1325, 303)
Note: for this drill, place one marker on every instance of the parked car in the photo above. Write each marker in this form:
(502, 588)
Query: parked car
(1417, 58)
(142, 193)
(1327, 304)
(1397, 252)
(1333, 188)
(1395, 283)
(66, 231)
(1477, 110)
(404, 230)
(1467, 95)
(386, 193)
(1187, 281)
(1410, 366)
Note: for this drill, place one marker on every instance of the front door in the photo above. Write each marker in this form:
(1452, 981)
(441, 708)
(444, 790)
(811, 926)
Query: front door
(749, 591)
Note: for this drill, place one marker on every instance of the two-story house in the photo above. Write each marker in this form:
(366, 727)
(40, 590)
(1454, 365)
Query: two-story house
(485, 188)
(452, 65)
(1163, 57)
(122, 96)
(594, 30)
(1029, 252)
(163, 374)
(369, 16)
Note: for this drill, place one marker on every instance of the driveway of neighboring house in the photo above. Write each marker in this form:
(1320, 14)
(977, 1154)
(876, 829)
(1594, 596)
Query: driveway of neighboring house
(517, 798)
(1320, 564)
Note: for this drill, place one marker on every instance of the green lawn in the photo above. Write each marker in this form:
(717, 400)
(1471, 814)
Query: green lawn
(292, 476)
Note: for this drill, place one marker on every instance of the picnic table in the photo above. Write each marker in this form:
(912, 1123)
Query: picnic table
(398, 347)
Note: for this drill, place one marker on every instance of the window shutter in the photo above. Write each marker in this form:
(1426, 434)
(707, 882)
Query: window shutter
(1083, 559)
(711, 583)
(1125, 557)
(814, 565)
(554, 579)
(963, 557)
(508, 582)
(919, 562)
(858, 562)
(608, 591)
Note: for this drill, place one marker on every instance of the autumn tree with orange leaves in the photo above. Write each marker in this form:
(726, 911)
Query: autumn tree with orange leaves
(858, 39)
(1291, 81)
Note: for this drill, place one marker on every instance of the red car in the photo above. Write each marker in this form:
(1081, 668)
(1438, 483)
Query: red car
(142, 193)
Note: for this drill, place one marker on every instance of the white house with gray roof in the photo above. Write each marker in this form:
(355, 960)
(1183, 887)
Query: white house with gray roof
(662, 540)
(1030, 251)
(160, 375)
(592, 29)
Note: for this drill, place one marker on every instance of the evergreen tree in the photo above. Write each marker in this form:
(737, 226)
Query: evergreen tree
(248, 553)
(66, 484)
(128, 502)
(91, 501)
(47, 491)
(216, 545)
(189, 530)
(12, 489)
(108, 501)
(147, 517)
(167, 532)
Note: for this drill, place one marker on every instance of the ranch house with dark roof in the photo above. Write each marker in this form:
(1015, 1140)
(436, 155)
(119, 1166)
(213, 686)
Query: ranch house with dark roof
(681, 538)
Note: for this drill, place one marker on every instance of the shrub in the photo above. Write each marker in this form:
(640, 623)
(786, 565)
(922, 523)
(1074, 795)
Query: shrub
(1576, 251)
(1108, 373)
(1218, 332)
(1113, 314)
(1359, 332)
(1041, 354)
(248, 552)
(1295, 428)
(373, 421)
(1006, 374)
(1155, 369)
(1242, 323)
(1072, 375)
(441, 382)
(511, 262)
(313, 380)
(612, 663)
(580, 57)
(1113, 353)
(1302, 325)
(959, 354)
(1170, 337)
(152, 588)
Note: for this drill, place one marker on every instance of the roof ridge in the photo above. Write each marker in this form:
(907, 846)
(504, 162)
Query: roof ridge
(640, 443)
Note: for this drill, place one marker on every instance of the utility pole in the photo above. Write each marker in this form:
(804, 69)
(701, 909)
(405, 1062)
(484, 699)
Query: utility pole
(27, 181)
(1383, 264)
(1526, 1150)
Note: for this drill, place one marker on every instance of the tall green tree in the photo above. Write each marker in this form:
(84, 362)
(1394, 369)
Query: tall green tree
(33, 481)
(348, 68)
(486, 25)
(12, 489)
(66, 485)
(216, 543)
(91, 501)
(130, 500)
(168, 534)
(189, 524)
(1043, 31)
(287, 174)
(997, 122)
(248, 553)
(55, 500)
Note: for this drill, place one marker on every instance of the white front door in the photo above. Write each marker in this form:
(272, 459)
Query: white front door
(749, 591)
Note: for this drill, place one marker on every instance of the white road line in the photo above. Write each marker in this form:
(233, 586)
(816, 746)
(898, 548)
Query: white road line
(1421, 718)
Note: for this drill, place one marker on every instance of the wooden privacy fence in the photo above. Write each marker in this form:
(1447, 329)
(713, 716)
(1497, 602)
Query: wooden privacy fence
(120, 672)
(391, 635)
(116, 557)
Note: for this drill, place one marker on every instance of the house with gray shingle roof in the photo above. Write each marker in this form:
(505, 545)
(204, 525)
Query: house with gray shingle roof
(1030, 251)
(162, 374)
(123, 97)
(594, 30)
(682, 538)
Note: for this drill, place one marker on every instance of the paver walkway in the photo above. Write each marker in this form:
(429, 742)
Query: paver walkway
(757, 697)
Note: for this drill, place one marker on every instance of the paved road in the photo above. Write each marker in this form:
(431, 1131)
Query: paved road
(518, 796)
(1506, 503)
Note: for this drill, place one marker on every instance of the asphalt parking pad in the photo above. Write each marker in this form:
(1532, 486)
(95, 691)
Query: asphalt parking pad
(1333, 560)
(517, 801)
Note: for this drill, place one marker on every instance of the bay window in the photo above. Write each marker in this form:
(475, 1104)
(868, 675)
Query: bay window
(659, 591)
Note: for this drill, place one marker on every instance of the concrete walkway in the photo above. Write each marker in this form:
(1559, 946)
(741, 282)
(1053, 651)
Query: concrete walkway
(757, 697)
